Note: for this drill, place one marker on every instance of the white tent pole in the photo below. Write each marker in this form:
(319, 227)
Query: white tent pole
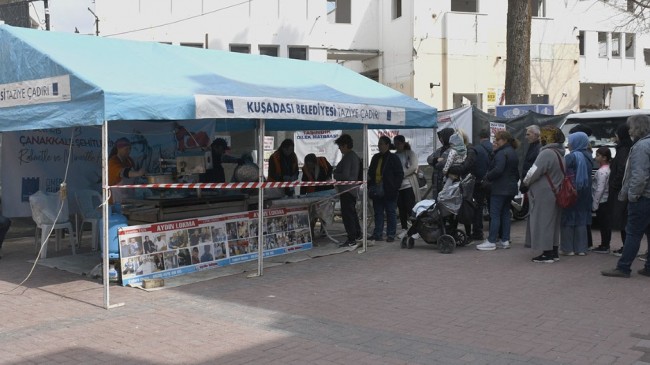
(364, 198)
(105, 219)
(260, 198)
(105, 214)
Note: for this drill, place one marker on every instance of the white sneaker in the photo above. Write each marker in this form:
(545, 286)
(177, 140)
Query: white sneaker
(486, 246)
(503, 244)
(402, 234)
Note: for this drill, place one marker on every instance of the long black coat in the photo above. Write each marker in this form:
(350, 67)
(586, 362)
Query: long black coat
(392, 173)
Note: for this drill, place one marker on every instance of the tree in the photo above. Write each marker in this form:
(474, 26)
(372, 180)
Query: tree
(633, 14)
(517, 88)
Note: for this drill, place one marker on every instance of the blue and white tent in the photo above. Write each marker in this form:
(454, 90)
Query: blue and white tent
(58, 80)
(51, 79)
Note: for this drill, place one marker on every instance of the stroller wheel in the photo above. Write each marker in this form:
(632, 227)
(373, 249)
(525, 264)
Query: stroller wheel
(446, 244)
(461, 238)
(403, 243)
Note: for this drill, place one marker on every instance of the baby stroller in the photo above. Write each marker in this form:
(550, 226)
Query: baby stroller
(436, 221)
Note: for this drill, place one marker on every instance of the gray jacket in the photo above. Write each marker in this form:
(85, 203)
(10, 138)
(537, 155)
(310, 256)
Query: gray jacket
(347, 170)
(637, 172)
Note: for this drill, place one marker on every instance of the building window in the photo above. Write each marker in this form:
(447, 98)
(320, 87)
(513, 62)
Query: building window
(339, 11)
(646, 56)
(469, 6)
(602, 44)
(269, 51)
(240, 48)
(616, 44)
(581, 42)
(629, 45)
(538, 8)
(298, 53)
(397, 9)
(192, 44)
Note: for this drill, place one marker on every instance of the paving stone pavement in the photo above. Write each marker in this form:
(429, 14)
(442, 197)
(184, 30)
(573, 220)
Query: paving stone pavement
(385, 306)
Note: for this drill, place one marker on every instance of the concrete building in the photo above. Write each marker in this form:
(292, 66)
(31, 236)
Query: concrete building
(446, 54)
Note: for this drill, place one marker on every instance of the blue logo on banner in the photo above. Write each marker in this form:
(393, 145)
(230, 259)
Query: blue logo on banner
(388, 115)
(30, 186)
(230, 107)
(55, 88)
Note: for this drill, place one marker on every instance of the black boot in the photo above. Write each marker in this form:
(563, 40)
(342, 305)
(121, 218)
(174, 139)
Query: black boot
(411, 243)
(556, 255)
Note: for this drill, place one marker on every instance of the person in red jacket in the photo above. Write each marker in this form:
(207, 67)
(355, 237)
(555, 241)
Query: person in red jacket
(283, 165)
(316, 169)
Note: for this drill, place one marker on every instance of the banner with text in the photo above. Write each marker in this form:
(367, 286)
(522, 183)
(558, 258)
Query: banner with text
(163, 250)
(40, 159)
(320, 143)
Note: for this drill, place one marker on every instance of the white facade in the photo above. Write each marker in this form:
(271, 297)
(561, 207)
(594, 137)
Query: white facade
(442, 57)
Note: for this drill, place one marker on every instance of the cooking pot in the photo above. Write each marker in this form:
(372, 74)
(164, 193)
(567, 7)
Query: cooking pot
(161, 179)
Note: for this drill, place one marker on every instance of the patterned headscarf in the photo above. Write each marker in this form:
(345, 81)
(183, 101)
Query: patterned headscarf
(579, 142)
(551, 134)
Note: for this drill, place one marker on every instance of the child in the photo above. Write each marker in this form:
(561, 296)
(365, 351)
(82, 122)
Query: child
(600, 193)
(457, 155)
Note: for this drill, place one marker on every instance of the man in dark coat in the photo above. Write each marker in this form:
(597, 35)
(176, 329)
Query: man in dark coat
(386, 170)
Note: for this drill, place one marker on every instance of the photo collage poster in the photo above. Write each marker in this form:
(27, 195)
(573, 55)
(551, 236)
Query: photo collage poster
(167, 249)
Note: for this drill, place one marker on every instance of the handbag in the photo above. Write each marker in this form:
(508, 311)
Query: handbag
(566, 194)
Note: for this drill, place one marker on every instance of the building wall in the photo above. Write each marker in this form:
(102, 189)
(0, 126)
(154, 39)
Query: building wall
(430, 52)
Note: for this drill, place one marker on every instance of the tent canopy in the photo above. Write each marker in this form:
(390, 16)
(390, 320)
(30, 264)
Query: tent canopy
(51, 79)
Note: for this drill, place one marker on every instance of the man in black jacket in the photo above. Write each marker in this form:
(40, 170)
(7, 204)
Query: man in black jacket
(385, 170)
(532, 137)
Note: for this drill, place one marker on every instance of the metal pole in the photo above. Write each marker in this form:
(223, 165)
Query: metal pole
(47, 14)
(364, 198)
(260, 199)
(96, 22)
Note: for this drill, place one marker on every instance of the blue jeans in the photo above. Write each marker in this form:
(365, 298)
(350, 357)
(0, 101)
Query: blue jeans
(499, 217)
(638, 223)
(390, 207)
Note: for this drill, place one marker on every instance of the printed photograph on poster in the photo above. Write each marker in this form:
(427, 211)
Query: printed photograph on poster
(173, 248)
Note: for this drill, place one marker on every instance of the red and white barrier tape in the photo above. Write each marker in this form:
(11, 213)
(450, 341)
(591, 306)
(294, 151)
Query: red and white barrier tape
(240, 185)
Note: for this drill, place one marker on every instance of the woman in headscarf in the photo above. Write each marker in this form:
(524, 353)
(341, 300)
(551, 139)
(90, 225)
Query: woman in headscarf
(543, 224)
(575, 219)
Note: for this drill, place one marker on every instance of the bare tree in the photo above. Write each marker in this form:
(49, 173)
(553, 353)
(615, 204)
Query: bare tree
(517, 88)
(632, 14)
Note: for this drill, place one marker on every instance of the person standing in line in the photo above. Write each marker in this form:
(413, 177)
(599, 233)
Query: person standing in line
(436, 159)
(543, 224)
(600, 195)
(576, 219)
(617, 171)
(532, 137)
(461, 170)
(636, 190)
(409, 191)
(5, 223)
(483, 158)
(502, 176)
(385, 169)
(348, 170)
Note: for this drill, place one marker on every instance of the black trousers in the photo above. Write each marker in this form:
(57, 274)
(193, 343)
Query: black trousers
(604, 218)
(349, 216)
(405, 204)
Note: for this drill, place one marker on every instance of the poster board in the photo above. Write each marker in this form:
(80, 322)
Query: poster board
(168, 249)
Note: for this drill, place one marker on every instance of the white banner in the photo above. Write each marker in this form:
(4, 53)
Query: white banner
(38, 160)
(214, 106)
(421, 141)
(31, 92)
(320, 143)
(460, 118)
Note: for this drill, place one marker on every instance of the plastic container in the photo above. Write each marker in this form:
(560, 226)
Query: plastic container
(115, 222)
(113, 276)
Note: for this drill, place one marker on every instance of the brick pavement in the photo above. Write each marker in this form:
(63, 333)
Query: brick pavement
(387, 306)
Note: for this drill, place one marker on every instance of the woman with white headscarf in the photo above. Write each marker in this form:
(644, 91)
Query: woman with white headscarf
(575, 219)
